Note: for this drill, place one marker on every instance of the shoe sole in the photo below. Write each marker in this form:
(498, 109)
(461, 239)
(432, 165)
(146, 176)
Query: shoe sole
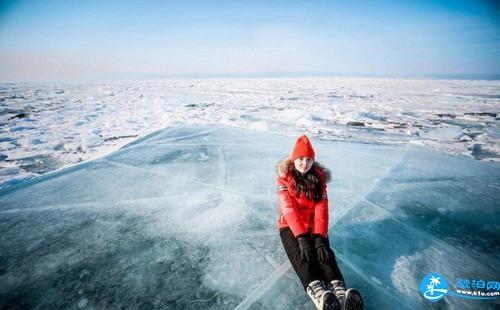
(353, 300)
(330, 302)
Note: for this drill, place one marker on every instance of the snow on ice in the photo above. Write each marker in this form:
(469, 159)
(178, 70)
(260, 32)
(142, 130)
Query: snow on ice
(45, 127)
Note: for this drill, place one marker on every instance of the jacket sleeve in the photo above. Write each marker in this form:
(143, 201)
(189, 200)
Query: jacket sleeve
(321, 215)
(287, 210)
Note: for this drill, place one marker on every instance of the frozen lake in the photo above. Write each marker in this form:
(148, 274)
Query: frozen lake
(185, 218)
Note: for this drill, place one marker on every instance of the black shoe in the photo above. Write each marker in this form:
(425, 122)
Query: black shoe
(337, 287)
(322, 298)
(332, 303)
(353, 300)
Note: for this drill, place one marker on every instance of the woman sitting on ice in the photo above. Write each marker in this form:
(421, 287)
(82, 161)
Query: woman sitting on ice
(303, 226)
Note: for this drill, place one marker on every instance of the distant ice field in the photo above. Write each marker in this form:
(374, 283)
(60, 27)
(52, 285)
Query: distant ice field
(45, 127)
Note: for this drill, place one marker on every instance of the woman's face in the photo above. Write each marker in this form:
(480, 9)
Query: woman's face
(303, 164)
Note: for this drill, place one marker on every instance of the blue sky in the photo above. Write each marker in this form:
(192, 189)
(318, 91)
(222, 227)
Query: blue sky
(93, 40)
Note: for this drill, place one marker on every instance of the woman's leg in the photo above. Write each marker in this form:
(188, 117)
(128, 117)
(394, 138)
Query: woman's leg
(330, 267)
(307, 271)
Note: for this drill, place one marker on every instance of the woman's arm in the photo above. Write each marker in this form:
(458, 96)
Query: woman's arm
(287, 210)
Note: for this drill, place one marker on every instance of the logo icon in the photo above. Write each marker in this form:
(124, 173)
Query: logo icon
(433, 286)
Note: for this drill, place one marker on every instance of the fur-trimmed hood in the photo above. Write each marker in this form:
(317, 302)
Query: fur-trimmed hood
(285, 166)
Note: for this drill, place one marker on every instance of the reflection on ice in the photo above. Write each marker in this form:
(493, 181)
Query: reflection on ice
(185, 218)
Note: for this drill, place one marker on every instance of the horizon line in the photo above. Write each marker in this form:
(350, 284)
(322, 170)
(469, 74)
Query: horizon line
(297, 74)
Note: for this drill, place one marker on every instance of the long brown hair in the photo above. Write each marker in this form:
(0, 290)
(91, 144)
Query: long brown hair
(309, 183)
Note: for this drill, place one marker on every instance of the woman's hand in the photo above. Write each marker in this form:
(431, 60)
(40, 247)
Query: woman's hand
(321, 248)
(306, 250)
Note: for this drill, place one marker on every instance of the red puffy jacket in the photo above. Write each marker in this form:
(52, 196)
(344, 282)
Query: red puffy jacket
(302, 215)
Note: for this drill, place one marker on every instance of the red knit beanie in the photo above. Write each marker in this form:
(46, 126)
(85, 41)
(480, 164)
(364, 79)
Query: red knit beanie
(303, 148)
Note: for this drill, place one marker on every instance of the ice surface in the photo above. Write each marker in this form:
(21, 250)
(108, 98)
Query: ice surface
(185, 218)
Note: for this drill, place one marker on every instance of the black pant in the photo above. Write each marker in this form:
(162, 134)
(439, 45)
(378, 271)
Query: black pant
(314, 269)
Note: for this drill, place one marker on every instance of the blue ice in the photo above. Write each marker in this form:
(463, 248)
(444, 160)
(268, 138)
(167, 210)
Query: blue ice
(185, 218)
